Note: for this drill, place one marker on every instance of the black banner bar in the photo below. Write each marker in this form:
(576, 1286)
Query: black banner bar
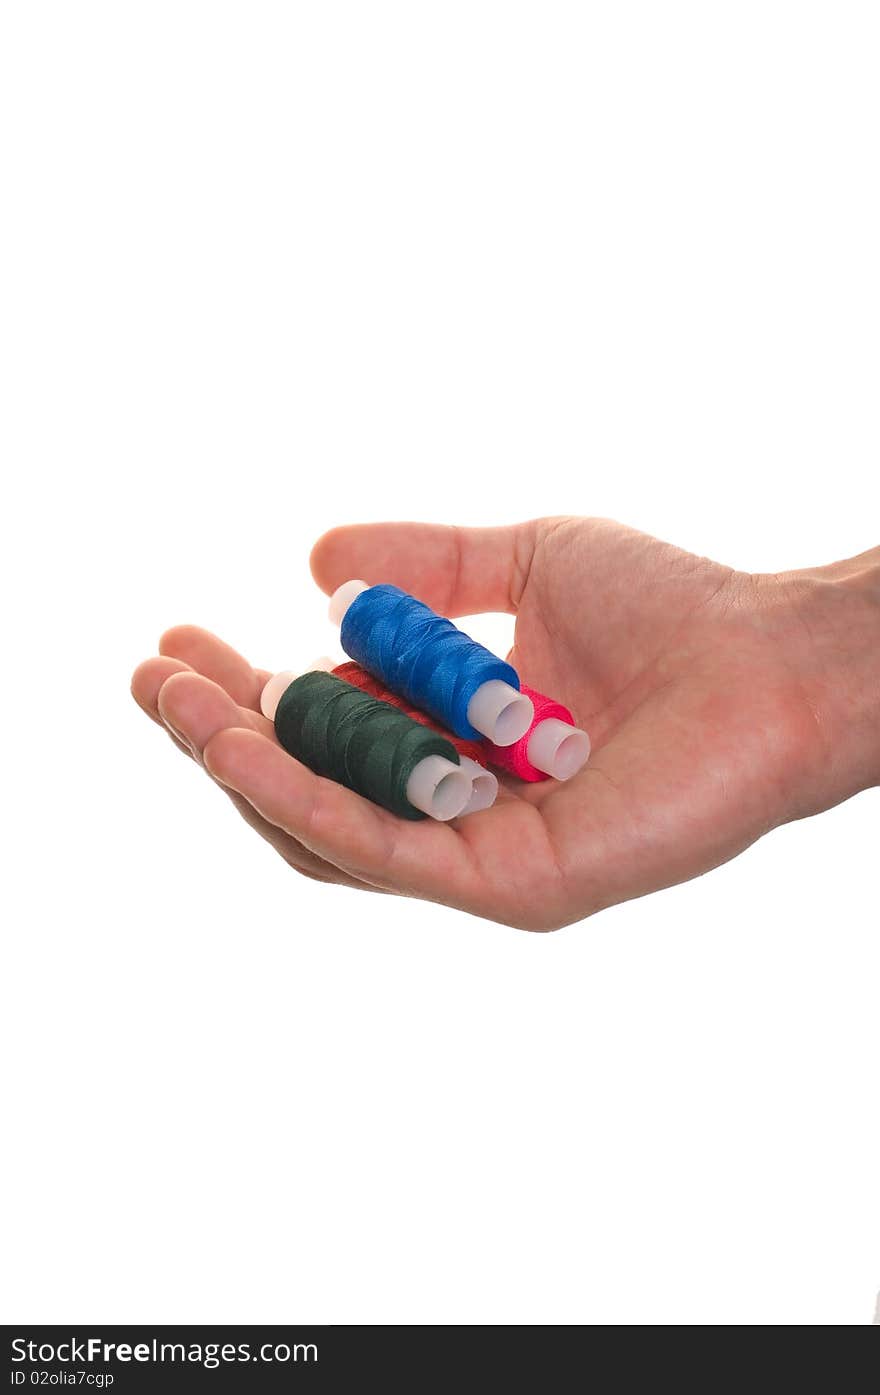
(123, 1359)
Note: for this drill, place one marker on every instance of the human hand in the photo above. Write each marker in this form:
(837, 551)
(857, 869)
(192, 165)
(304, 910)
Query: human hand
(720, 704)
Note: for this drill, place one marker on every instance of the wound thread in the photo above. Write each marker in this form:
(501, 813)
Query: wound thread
(420, 655)
(355, 739)
(515, 758)
(359, 678)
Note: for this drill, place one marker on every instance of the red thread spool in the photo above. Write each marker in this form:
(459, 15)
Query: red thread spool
(359, 678)
(570, 749)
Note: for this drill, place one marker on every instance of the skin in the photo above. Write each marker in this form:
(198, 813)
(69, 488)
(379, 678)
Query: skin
(720, 704)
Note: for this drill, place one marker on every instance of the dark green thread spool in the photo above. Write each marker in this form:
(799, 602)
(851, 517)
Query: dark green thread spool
(366, 745)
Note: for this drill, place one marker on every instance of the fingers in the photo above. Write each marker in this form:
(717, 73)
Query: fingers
(146, 683)
(457, 571)
(208, 655)
(194, 708)
(426, 859)
(147, 680)
(187, 705)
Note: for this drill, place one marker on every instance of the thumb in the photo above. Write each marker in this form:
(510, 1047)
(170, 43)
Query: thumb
(456, 571)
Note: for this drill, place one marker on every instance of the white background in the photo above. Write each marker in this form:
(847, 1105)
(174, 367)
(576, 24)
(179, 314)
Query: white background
(268, 268)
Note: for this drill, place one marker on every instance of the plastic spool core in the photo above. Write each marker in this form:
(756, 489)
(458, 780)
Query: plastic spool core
(342, 598)
(279, 683)
(273, 693)
(558, 749)
(484, 786)
(438, 788)
(500, 713)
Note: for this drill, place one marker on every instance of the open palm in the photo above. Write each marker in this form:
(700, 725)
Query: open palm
(705, 692)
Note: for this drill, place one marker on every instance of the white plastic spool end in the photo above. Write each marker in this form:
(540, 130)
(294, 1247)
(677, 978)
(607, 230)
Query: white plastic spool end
(438, 788)
(322, 665)
(484, 786)
(500, 712)
(342, 598)
(273, 693)
(558, 748)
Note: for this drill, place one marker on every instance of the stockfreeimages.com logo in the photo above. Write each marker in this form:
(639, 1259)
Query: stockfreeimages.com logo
(92, 1350)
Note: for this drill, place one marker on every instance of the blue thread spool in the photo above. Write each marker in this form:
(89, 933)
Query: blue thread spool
(427, 660)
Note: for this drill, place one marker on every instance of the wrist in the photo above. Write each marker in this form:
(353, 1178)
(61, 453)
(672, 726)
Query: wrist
(832, 641)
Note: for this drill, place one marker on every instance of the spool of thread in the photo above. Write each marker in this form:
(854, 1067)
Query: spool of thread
(472, 754)
(430, 662)
(366, 745)
(552, 747)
